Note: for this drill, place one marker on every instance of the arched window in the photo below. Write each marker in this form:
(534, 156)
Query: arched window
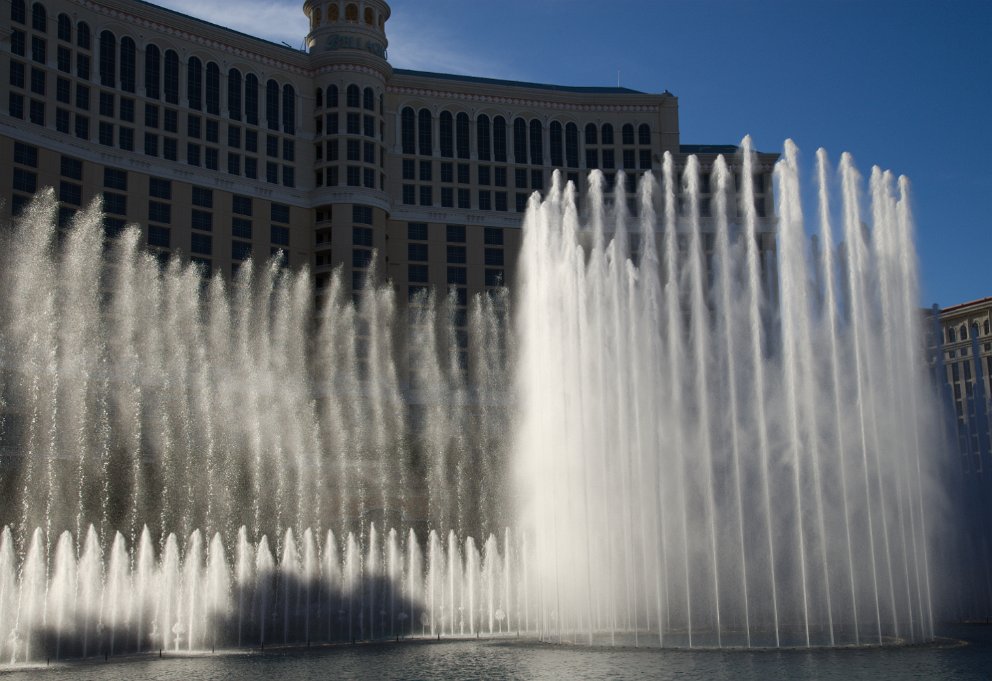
(315, 18)
(194, 83)
(627, 133)
(18, 11)
(83, 35)
(407, 135)
(591, 133)
(288, 109)
(950, 334)
(446, 135)
(557, 148)
(368, 99)
(128, 68)
(108, 59)
(607, 133)
(332, 96)
(536, 142)
(988, 327)
(351, 13)
(65, 28)
(354, 96)
(272, 105)
(499, 139)
(251, 99)
(519, 141)
(234, 94)
(369, 16)
(153, 63)
(171, 77)
(572, 145)
(318, 97)
(213, 89)
(461, 135)
(643, 134)
(963, 332)
(424, 139)
(482, 137)
(332, 12)
(39, 18)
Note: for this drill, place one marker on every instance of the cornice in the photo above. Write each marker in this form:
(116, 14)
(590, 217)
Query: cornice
(431, 93)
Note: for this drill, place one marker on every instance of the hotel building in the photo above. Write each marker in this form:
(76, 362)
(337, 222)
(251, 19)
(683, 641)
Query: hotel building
(223, 146)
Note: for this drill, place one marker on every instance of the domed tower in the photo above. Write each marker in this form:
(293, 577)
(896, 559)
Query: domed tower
(347, 45)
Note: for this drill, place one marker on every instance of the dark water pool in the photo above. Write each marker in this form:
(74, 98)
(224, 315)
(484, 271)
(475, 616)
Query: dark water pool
(965, 653)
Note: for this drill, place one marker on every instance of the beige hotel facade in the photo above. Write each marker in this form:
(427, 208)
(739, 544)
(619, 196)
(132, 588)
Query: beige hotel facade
(223, 146)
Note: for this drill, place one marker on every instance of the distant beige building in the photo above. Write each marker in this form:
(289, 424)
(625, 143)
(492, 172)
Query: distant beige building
(966, 350)
(223, 146)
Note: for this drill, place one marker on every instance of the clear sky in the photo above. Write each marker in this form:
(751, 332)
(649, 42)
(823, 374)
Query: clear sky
(902, 84)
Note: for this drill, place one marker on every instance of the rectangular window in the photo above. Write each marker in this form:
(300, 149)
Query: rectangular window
(114, 203)
(241, 228)
(63, 90)
(83, 66)
(38, 118)
(368, 152)
(25, 181)
(17, 42)
(213, 131)
(456, 255)
(234, 164)
(210, 158)
(151, 116)
(201, 243)
(193, 127)
(494, 277)
(425, 171)
(279, 235)
(70, 192)
(203, 197)
(501, 201)
(234, 136)
(38, 49)
(251, 168)
(159, 188)
(241, 205)
(417, 273)
(15, 107)
(63, 58)
(447, 197)
(416, 231)
(484, 175)
(361, 257)
(354, 124)
(608, 161)
(107, 104)
(106, 133)
(115, 179)
(426, 195)
(485, 200)
(457, 276)
(171, 121)
(202, 220)
(71, 168)
(272, 172)
(416, 252)
(240, 250)
(493, 236)
(361, 236)
(537, 179)
(125, 138)
(447, 172)
(38, 82)
(158, 236)
(408, 169)
(354, 176)
(288, 150)
(353, 150)
(169, 148)
(151, 144)
(521, 202)
(455, 234)
(494, 256)
(25, 155)
(251, 141)
(368, 178)
(463, 173)
(464, 200)
(159, 212)
(279, 212)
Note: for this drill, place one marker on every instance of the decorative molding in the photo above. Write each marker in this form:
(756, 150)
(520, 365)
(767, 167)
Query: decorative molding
(520, 102)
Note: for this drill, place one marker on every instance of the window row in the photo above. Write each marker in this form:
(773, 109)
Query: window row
(355, 98)
(528, 143)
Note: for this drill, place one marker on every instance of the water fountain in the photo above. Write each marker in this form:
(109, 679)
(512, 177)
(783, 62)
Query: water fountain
(702, 454)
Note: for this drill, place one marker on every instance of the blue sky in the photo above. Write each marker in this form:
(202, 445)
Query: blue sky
(903, 84)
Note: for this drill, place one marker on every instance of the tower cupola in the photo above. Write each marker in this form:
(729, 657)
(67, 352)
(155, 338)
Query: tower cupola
(353, 30)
